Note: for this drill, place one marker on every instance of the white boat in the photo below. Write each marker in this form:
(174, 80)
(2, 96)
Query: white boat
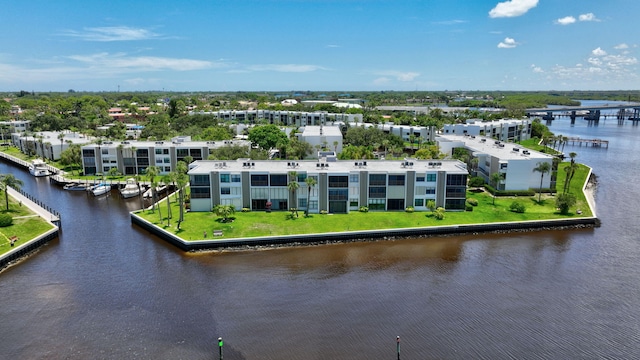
(159, 190)
(130, 190)
(75, 186)
(101, 189)
(38, 168)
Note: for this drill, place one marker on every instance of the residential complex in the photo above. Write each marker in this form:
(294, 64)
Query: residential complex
(515, 163)
(281, 117)
(503, 130)
(134, 157)
(340, 186)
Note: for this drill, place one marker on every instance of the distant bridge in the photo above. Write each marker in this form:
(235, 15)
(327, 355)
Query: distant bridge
(591, 113)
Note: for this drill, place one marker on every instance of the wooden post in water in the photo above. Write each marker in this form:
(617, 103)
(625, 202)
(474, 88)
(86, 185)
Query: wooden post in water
(398, 346)
(220, 343)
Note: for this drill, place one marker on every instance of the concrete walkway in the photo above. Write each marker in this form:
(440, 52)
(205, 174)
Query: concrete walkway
(39, 210)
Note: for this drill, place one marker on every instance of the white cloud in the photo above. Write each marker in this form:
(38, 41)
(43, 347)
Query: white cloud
(293, 68)
(112, 33)
(588, 17)
(141, 63)
(399, 75)
(507, 43)
(536, 69)
(566, 20)
(449, 22)
(598, 52)
(333, 46)
(512, 8)
(622, 46)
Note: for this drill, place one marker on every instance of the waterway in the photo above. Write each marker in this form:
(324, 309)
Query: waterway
(107, 290)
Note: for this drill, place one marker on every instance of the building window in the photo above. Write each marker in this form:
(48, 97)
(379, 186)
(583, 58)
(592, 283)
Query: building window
(225, 191)
(353, 202)
(302, 178)
(338, 194)
(420, 178)
(377, 179)
(454, 179)
(430, 191)
(397, 180)
(302, 203)
(259, 180)
(338, 181)
(354, 178)
(431, 177)
(313, 204)
(200, 193)
(279, 180)
(225, 178)
(377, 192)
(418, 202)
(235, 178)
(197, 180)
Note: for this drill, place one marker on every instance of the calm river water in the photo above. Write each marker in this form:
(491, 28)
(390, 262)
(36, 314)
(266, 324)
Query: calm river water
(107, 290)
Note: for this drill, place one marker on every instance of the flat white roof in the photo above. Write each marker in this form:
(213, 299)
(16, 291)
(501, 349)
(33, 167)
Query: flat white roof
(314, 166)
(484, 145)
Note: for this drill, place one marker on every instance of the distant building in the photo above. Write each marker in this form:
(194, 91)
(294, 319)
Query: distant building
(503, 130)
(341, 186)
(280, 117)
(47, 144)
(323, 137)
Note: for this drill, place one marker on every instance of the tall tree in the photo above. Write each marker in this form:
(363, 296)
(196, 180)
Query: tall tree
(311, 182)
(293, 187)
(542, 168)
(496, 177)
(7, 181)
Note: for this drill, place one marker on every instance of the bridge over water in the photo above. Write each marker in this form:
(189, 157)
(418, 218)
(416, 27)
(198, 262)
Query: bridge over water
(630, 111)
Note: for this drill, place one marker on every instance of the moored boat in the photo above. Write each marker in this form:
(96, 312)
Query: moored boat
(75, 186)
(101, 189)
(131, 189)
(38, 168)
(159, 190)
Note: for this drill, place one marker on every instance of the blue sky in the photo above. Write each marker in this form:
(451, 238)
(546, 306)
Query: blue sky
(280, 45)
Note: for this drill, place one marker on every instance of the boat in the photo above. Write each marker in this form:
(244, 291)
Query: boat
(38, 168)
(75, 186)
(131, 189)
(159, 190)
(101, 189)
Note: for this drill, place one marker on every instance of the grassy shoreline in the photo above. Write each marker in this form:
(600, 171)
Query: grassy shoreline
(200, 225)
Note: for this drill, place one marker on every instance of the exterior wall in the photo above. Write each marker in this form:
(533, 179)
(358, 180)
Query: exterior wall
(503, 130)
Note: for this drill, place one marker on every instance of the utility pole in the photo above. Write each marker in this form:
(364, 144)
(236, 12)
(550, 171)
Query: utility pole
(220, 343)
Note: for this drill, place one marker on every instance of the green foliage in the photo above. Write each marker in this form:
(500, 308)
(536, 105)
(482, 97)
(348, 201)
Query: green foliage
(268, 137)
(564, 202)
(6, 220)
(517, 207)
(323, 212)
(439, 213)
(476, 181)
(431, 205)
(468, 207)
(409, 209)
(246, 210)
(472, 202)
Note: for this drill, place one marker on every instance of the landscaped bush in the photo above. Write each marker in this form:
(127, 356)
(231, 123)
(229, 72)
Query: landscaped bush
(409, 209)
(323, 212)
(518, 207)
(472, 202)
(246, 210)
(468, 207)
(363, 209)
(476, 181)
(439, 213)
(5, 220)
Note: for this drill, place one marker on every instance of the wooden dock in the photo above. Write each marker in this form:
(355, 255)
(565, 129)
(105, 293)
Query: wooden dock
(587, 142)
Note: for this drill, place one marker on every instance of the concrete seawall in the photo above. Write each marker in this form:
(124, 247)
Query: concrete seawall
(363, 235)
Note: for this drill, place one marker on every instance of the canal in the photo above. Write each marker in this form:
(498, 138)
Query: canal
(108, 290)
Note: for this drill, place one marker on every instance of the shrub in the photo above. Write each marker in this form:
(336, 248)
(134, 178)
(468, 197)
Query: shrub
(472, 202)
(439, 213)
(409, 209)
(323, 212)
(469, 207)
(245, 210)
(564, 202)
(363, 209)
(518, 207)
(5, 220)
(476, 181)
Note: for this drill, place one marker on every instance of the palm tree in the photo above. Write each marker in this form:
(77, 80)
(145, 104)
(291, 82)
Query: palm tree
(7, 181)
(152, 172)
(293, 187)
(182, 179)
(224, 211)
(542, 168)
(311, 182)
(167, 179)
(571, 170)
(496, 177)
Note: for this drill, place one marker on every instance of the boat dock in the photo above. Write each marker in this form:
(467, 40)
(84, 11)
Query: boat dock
(587, 142)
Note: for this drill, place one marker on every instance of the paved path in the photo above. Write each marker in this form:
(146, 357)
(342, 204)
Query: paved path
(33, 206)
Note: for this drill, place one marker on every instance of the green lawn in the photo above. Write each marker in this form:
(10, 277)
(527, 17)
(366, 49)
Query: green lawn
(259, 223)
(26, 224)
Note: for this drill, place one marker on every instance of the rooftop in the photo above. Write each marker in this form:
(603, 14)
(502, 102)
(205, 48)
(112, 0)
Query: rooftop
(499, 149)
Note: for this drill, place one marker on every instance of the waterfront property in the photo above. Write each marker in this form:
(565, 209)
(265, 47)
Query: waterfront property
(503, 130)
(134, 157)
(336, 186)
(513, 162)
(281, 117)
